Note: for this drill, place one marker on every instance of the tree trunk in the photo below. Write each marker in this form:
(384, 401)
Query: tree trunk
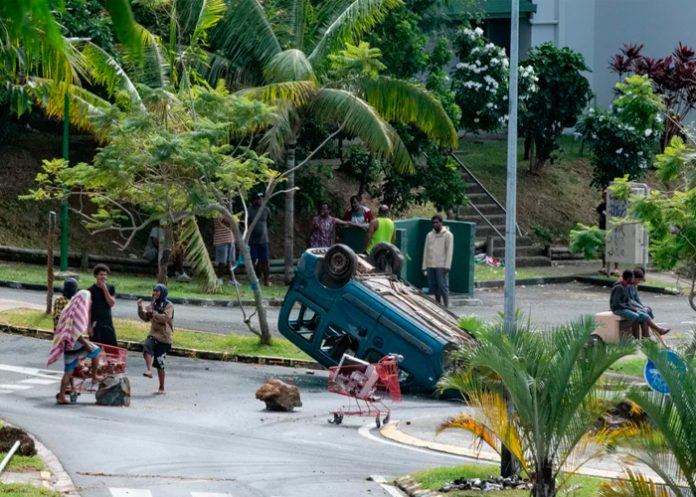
(544, 482)
(527, 146)
(264, 331)
(531, 157)
(289, 227)
(164, 251)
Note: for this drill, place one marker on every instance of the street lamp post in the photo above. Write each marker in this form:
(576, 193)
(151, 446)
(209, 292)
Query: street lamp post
(506, 462)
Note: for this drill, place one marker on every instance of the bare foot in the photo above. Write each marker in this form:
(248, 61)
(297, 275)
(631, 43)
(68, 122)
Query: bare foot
(61, 400)
(158, 392)
(147, 374)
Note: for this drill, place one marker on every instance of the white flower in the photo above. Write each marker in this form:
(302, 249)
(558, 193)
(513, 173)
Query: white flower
(476, 119)
(619, 150)
(460, 65)
(478, 31)
(648, 132)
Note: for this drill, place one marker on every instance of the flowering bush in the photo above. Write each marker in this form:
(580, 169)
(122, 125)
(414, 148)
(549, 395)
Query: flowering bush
(480, 81)
(623, 138)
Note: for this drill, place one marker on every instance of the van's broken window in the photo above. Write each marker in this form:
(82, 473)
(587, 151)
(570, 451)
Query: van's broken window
(337, 341)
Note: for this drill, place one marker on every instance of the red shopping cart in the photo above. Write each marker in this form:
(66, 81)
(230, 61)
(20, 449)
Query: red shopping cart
(366, 385)
(112, 361)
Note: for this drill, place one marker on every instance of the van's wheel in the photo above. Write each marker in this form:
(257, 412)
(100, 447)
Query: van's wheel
(338, 267)
(387, 258)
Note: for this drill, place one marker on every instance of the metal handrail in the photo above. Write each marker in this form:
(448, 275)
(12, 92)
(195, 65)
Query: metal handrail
(490, 195)
(502, 237)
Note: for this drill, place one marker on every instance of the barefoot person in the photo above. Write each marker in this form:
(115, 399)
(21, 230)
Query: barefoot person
(69, 340)
(160, 314)
(102, 301)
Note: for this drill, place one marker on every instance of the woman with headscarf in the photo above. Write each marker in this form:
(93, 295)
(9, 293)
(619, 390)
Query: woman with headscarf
(69, 291)
(69, 340)
(160, 314)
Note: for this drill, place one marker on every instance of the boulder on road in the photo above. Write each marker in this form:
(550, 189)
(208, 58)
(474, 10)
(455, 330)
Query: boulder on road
(279, 396)
(114, 391)
(9, 435)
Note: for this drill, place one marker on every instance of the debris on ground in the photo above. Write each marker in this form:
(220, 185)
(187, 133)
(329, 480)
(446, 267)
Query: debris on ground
(279, 396)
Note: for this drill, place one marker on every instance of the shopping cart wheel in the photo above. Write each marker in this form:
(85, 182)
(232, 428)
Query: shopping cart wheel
(337, 419)
(377, 421)
(73, 398)
(385, 420)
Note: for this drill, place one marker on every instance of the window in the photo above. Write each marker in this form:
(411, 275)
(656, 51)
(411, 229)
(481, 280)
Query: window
(304, 321)
(337, 341)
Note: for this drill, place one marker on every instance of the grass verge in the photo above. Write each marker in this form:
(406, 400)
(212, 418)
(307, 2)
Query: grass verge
(196, 340)
(489, 273)
(21, 464)
(434, 479)
(135, 284)
(25, 490)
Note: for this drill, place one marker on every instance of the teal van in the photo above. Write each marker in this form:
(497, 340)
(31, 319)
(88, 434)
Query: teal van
(339, 303)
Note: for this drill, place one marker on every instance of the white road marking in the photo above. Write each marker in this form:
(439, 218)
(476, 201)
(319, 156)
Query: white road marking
(129, 492)
(40, 381)
(41, 373)
(209, 494)
(7, 386)
(365, 432)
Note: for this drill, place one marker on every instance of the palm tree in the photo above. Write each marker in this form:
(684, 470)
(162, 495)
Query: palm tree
(552, 379)
(668, 444)
(290, 67)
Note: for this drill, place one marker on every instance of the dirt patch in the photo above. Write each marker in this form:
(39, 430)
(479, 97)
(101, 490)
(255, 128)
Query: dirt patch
(9, 435)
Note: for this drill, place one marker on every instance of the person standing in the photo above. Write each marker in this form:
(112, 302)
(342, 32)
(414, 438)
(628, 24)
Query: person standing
(437, 259)
(258, 216)
(160, 314)
(381, 229)
(358, 214)
(69, 291)
(70, 341)
(225, 253)
(102, 301)
(602, 224)
(323, 230)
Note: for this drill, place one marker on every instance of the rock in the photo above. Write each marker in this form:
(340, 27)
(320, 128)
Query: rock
(9, 435)
(279, 396)
(114, 391)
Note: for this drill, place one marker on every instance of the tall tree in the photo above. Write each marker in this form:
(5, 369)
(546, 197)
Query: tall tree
(291, 66)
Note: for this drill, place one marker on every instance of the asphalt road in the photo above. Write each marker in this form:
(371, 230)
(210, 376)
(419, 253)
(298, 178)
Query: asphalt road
(546, 305)
(208, 436)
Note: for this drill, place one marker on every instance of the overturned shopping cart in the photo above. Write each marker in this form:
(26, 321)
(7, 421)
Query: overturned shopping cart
(366, 385)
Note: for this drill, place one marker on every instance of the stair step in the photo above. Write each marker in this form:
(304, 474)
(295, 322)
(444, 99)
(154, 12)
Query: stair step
(499, 251)
(495, 219)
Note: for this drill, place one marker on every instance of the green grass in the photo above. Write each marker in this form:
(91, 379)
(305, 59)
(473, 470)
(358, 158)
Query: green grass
(140, 285)
(25, 490)
(489, 273)
(632, 366)
(22, 464)
(197, 340)
(434, 479)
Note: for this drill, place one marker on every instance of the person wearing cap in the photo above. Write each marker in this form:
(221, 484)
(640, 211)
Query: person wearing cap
(160, 314)
(257, 217)
(70, 288)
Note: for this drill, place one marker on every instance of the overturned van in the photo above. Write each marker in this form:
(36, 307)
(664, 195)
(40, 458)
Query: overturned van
(339, 303)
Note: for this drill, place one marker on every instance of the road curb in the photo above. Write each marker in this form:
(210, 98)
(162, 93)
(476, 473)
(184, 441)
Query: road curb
(541, 280)
(272, 302)
(179, 351)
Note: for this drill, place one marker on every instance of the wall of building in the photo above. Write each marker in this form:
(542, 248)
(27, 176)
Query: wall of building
(599, 28)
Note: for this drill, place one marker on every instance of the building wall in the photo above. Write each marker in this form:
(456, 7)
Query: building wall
(599, 28)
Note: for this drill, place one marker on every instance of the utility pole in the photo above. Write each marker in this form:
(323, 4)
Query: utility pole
(506, 463)
(64, 219)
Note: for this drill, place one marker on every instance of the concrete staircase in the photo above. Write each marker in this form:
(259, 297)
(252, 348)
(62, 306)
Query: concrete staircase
(488, 214)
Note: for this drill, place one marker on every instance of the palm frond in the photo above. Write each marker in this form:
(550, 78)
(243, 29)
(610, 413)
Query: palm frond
(275, 139)
(124, 26)
(300, 93)
(245, 35)
(156, 66)
(105, 70)
(211, 12)
(343, 108)
(297, 11)
(356, 19)
(636, 485)
(289, 65)
(408, 102)
(196, 254)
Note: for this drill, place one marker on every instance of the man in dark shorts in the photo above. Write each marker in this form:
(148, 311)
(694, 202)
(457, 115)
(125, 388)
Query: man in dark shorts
(160, 314)
(437, 260)
(258, 237)
(102, 301)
